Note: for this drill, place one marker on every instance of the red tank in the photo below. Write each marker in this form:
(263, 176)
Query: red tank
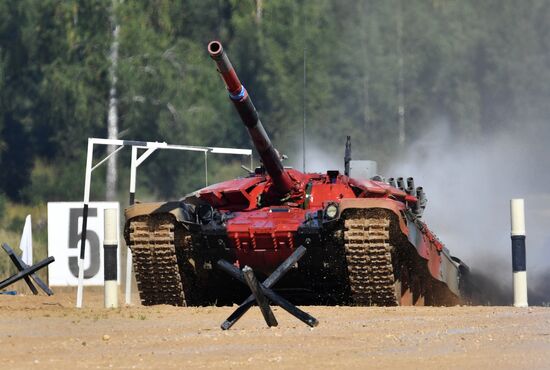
(366, 243)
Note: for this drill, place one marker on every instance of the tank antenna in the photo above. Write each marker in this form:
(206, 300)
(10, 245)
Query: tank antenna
(304, 96)
(305, 116)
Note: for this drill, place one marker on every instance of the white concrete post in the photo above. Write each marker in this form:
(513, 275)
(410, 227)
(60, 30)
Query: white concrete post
(110, 245)
(517, 215)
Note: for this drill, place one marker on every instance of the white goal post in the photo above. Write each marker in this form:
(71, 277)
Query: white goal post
(137, 159)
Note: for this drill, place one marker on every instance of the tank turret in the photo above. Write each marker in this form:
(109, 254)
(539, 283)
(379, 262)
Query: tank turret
(282, 182)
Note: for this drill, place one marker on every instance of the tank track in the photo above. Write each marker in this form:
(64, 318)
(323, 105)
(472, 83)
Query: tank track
(153, 244)
(368, 254)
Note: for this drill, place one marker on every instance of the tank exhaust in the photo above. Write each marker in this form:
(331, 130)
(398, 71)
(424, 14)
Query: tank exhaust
(410, 186)
(401, 184)
(422, 200)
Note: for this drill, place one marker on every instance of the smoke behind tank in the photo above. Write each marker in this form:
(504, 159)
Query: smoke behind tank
(469, 184)
(363, 169)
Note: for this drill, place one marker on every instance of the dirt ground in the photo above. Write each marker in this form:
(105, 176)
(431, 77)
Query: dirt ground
(48, 332)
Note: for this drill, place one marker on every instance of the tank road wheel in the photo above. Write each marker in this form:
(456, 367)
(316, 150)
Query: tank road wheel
(369, 260)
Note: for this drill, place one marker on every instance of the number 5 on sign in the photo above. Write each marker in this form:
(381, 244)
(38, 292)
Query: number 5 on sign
(64, 234)
(92, 249)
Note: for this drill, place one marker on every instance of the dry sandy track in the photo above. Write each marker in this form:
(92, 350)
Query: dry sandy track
(48, 332)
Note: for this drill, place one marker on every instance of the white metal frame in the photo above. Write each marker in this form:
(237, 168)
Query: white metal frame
(137, 160)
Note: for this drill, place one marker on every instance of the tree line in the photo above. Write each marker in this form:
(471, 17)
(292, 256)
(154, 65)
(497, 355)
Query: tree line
(381, 71)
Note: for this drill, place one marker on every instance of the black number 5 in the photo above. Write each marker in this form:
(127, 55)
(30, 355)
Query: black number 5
(74, 238)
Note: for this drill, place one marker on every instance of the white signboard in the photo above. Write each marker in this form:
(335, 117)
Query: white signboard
(64, 234)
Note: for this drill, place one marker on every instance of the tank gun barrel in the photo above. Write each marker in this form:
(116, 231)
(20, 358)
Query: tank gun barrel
(239, 96)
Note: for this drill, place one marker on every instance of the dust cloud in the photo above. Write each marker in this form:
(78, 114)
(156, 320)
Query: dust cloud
(469, 184)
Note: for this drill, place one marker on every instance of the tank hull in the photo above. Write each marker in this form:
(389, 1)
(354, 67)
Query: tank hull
(372, 253)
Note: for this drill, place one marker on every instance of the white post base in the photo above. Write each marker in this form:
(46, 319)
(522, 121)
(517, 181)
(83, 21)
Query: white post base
(520, 289)
(111, 294)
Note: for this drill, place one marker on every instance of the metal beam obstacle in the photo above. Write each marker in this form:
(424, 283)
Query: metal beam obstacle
(262, 292)
(26, 272)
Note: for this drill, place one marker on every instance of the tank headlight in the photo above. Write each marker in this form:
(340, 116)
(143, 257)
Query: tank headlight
(331, 211)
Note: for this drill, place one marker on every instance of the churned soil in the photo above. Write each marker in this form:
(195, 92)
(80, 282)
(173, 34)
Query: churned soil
(50, 333)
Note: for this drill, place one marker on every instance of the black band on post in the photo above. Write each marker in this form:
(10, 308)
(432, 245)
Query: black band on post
(518, 253)
(83, 234)
(110, 262)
